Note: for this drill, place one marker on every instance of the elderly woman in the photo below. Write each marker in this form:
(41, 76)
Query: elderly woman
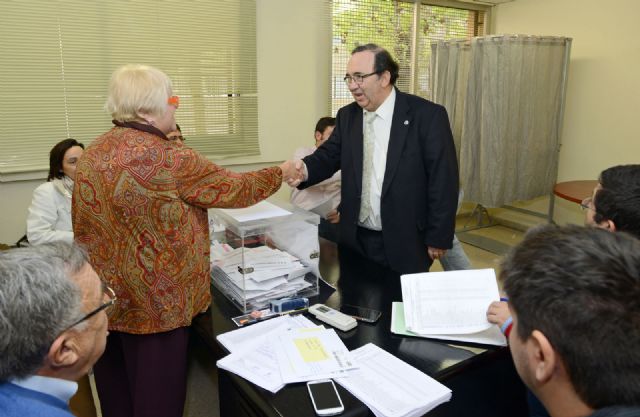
(49, 217)
(140, 207)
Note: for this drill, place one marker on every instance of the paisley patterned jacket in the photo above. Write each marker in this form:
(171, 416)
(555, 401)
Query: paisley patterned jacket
(140, 208)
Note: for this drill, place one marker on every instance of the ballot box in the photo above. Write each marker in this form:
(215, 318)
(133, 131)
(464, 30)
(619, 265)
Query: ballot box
(264, 252)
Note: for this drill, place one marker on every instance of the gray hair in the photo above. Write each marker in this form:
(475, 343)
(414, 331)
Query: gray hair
(38, 301)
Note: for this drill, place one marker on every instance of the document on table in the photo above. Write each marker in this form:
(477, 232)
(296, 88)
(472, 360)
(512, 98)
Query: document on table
(253, 356)
(237, 339)
(390, 387)
(452, 302)
(305, 354)
(256, 363)
(491, 336)
(262, 210)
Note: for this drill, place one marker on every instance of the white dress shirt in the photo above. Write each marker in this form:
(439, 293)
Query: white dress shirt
(320, 198)
(56, 387)
(382, 129)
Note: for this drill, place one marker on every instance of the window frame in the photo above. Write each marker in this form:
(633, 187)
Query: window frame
(414, 52)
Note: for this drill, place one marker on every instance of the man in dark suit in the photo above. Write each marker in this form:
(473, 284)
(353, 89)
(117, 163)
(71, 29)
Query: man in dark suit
(399, 168)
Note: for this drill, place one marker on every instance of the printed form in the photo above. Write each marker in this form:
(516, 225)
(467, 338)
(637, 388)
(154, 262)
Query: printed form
(390, 387)
(307, 354)
(253, 356)
(453, 302)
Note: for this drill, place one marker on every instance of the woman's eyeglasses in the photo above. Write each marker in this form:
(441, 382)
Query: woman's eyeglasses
(174, 101)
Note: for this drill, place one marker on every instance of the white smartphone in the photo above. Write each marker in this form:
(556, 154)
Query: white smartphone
(325, 398)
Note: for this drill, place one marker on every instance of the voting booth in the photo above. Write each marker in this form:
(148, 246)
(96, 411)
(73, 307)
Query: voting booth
(264, 252)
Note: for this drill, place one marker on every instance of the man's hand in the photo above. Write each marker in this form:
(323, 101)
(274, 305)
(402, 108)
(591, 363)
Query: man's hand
(435, 253)
(333, 216)
(292, 172)
(498, 312)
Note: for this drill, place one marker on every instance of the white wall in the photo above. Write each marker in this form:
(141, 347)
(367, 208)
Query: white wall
(603, 94)
(294, 60)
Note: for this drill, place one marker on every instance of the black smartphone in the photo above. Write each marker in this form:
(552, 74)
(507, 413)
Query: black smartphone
(368, 315)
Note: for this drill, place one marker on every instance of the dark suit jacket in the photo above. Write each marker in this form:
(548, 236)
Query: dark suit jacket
(420, 187)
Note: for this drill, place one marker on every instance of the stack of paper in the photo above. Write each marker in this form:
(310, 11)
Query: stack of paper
(391, 387)
(449, 305)
(282, 350)
(252, 353)
(276, 274)
(292, 349)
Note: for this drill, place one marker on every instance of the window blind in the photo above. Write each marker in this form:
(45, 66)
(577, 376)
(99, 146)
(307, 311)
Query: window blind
(58, 56)
(404, 28)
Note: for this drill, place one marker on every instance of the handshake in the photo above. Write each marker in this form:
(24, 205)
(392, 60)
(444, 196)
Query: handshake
(293, 172)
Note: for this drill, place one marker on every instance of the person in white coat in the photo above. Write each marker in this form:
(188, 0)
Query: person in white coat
(49, 217)
(323, 198)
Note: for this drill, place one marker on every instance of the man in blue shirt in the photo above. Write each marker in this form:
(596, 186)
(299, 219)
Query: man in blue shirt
(53, 325)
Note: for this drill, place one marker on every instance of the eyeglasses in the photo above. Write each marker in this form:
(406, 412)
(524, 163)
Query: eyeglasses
(174, 101)
(112, 300)
(175, 135)
(587, 204)
(358, 78)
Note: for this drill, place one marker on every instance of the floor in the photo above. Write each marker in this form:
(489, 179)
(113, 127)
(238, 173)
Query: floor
(202, 392)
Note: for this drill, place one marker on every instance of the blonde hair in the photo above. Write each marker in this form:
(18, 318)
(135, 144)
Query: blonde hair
(136, 89)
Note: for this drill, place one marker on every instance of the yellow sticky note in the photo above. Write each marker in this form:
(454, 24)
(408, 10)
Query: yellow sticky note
(311, 349)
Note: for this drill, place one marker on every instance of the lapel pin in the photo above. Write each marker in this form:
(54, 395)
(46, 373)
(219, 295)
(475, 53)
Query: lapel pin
(406, 123)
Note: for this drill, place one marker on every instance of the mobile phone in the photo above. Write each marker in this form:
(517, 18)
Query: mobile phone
(325, 398)
(360, 313)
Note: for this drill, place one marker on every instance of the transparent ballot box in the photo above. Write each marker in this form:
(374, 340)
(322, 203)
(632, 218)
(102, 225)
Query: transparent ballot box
(264, 252)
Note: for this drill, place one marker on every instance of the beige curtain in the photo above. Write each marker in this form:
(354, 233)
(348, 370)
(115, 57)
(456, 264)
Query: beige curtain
(505, 99)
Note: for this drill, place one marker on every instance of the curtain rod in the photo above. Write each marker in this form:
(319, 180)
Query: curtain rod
(531, 38)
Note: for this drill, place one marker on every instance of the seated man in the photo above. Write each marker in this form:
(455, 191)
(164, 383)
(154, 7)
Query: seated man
(614, 206)
(53, 325)
(574, 294)
(615, 203)
(322, 198)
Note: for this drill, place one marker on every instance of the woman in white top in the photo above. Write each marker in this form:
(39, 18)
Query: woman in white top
(49, 217)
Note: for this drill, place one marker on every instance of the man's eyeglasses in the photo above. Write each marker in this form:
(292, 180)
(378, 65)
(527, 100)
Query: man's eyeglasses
(358, 78)
(174, 101)
(112, 300)
(587, 204)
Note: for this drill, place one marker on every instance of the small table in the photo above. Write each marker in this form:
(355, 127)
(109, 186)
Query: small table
(575, 191)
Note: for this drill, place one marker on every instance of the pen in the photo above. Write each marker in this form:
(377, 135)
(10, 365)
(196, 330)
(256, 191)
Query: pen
(270, 316)
(504, 299)
(292, 312)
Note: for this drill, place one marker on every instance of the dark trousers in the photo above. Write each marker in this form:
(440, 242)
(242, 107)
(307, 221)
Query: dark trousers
(365, 283)
(329, 231)
(143, 375)
(372, 246)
